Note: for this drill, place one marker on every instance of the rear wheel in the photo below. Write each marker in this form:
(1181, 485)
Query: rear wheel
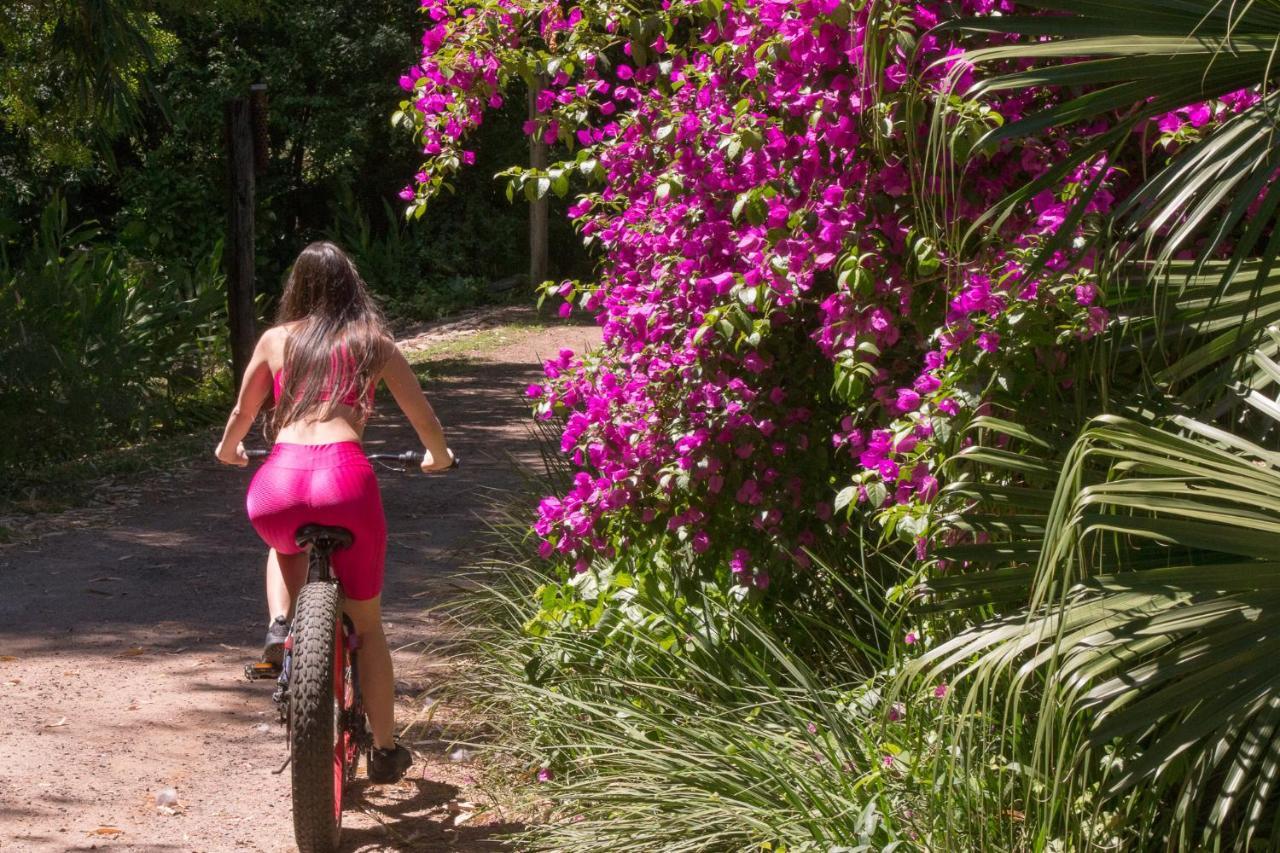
(315, 742)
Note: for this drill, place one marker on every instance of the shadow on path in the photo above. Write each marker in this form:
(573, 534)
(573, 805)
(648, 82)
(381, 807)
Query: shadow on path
(418, 817)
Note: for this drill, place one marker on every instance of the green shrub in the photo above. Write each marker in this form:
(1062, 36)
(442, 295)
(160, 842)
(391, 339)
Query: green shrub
(98, 348)
(644, 709)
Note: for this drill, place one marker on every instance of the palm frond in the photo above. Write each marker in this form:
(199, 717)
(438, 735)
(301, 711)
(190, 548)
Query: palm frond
(1129, 63)
(1152, 626)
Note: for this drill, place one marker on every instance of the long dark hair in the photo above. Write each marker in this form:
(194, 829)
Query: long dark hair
(342, 343)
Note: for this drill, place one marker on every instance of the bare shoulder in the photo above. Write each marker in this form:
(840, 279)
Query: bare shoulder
(272, 343)
(273, 337)
(390, 349)
(395, 367)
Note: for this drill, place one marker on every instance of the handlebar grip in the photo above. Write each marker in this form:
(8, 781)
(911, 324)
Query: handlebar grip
(409, 457)
(421, 456)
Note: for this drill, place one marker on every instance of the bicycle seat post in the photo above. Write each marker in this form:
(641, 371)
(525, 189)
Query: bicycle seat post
(321, 541)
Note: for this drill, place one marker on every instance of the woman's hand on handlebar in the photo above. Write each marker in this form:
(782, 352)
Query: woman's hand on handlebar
(228, 456)
(430, 465)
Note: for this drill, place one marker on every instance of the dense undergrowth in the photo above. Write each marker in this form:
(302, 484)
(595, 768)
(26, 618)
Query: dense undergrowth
(100, 348)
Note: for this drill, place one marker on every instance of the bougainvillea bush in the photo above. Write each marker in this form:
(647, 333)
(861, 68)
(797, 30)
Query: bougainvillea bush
(803, 304)
(794, 328)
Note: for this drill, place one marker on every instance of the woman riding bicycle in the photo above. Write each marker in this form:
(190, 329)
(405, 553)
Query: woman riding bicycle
(322, 361)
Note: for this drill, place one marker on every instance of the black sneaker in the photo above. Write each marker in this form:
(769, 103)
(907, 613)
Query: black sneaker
(388, 765)
(273, 648)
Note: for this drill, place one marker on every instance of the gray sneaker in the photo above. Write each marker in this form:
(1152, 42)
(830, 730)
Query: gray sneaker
(273, 648)
(388, 765)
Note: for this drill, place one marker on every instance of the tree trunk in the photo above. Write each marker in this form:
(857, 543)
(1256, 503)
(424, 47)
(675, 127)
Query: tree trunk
(239, 251)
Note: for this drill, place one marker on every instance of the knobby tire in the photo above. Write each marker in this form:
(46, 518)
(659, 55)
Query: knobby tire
(317, 819)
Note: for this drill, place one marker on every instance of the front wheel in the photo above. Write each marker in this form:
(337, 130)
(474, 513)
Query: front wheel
(314, 740)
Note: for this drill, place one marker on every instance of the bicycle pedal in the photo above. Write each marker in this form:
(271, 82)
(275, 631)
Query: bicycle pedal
(261, 670)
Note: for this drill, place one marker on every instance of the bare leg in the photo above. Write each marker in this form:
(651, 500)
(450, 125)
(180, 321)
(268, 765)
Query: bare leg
(376, 680)
(286, 573)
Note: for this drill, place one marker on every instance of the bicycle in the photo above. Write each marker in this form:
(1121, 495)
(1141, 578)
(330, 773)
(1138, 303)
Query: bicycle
(318, 685)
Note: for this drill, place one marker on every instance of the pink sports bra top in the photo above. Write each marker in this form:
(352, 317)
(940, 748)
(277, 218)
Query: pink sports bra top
(351, 398)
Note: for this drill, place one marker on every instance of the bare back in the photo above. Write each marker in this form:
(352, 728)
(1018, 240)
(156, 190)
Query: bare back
(345, 424)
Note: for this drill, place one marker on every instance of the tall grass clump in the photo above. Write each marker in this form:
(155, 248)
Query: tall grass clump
(644, 709)
(689, 723)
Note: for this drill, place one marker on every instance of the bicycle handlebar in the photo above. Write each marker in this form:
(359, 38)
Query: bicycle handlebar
(408, 457)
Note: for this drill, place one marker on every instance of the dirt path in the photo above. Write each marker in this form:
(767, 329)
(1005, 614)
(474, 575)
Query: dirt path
(122, 640)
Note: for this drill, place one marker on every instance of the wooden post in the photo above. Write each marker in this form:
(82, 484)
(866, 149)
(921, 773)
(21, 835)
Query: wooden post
(537, 208)
(239, 249)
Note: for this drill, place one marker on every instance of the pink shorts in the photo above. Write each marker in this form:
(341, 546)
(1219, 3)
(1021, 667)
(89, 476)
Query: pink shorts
(331, 484)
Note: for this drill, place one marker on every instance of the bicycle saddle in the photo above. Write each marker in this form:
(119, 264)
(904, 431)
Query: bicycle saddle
(322, 536)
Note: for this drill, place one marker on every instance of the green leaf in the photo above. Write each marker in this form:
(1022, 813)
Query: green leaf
(844, 497)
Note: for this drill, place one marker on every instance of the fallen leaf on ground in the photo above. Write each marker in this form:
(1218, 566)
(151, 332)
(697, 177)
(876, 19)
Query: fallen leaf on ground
(132, 653)
(7, 658)
(108, 830)
(62, 721)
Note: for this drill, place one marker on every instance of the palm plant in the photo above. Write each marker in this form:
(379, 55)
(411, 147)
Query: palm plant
(76, 73)
(98, 347)
(1154, 608)
(1129, 615)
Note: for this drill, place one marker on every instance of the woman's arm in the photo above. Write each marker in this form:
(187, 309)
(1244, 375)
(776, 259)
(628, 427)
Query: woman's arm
(253, 393)
(407, 392)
